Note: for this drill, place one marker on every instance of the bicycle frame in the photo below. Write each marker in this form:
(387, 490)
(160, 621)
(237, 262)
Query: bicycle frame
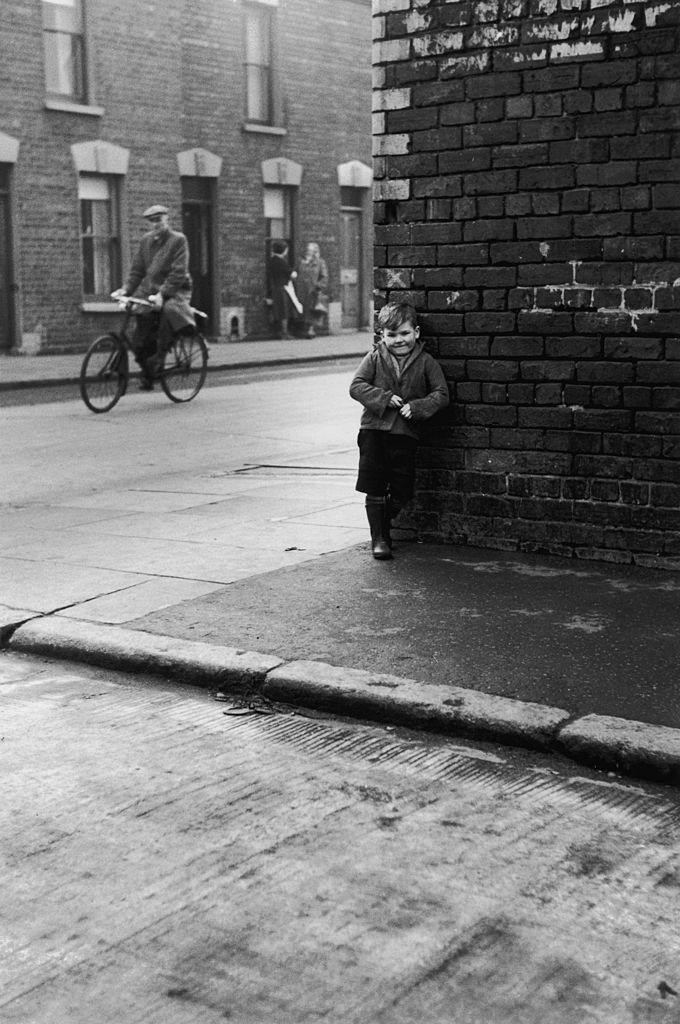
(180, 371)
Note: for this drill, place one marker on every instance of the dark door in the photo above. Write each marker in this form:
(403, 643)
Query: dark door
(350, 268)
(197, 224)
(6, 294)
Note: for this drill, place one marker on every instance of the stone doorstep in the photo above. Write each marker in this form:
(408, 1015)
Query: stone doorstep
(634, 748)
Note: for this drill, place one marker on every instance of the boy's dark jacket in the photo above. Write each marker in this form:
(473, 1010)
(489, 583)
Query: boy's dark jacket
(422, 384)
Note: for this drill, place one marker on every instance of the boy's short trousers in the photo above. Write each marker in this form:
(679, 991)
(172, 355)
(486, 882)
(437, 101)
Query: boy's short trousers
(387, 462)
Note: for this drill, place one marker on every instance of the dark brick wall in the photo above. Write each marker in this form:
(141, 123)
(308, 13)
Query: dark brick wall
(170, 80)
(527, 201)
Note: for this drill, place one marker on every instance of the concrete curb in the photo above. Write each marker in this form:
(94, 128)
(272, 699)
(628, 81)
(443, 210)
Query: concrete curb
(651, 751)
(130, 650)
(634, 748)
(402, 701)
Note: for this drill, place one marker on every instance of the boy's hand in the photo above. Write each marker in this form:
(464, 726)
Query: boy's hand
(396, 402)
(406, 411)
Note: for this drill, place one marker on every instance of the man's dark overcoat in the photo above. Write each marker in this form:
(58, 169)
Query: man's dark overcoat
(162, 265)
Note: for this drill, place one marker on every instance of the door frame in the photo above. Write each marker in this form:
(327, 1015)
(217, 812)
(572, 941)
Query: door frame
(210, 206)
(8, 156)
(361, 281)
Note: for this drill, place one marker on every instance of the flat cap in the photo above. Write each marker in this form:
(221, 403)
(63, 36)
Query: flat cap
(155, 211)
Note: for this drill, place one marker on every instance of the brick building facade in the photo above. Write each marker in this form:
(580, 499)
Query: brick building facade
(528, 202)
(249, 119)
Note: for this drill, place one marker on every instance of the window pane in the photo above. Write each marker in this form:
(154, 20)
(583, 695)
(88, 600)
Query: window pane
(88, 267)
(99, 236)
(273, 203)
(258, 61)
(276, 228)
(64, 48)
(58, 65)
(62, 16)
(93, 186)
(64, 73)
(258, 94)
(258, 41)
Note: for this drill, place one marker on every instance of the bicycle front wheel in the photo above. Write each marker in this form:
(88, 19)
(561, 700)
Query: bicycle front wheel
(184, 367)
(104, 373)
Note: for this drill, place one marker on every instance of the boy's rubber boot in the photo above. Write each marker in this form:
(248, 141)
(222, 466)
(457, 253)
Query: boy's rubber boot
(391, 511)
(375, 513)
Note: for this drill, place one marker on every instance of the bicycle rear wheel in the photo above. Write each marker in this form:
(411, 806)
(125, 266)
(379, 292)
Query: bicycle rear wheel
(104, 373)
(184, 367)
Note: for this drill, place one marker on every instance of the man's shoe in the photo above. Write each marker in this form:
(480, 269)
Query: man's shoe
(145, 384)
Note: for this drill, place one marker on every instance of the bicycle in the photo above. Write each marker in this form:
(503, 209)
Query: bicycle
(105, 370)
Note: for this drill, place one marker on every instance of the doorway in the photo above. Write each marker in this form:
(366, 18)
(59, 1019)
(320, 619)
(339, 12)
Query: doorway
(6, 274)
(198, 226)
(351, 284)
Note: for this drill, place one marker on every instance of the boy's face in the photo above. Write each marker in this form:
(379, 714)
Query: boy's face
(402, 339)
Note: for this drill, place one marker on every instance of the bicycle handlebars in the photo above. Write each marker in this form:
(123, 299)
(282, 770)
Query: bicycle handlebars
(127, 302)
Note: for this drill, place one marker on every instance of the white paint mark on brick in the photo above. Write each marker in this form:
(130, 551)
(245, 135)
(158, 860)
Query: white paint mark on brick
(547, 7)
(573, 5)
(577, 290)
(416, 22)
(652, 13)
(526, 56)
(442, 42)
(391, 49)
(622, 22)
(553, 29)
(463, 65)
(392, 99)
(398, 188)
(565, 50)
(387, 6)
(398, 278)
(391, 145)
(494, 35)
(544, 249)
(486, 10)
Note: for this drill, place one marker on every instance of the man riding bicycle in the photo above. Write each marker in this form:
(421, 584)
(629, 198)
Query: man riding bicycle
(160, 274)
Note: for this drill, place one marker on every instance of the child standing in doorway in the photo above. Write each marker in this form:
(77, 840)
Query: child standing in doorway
(399, 385)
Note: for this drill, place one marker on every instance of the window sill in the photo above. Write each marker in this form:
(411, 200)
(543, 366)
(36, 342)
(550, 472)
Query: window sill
(73, 108)
(100, 307)
(264, 129)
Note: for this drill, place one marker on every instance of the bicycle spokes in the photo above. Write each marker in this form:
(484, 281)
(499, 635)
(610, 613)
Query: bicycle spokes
(104, 373)
(184, 367)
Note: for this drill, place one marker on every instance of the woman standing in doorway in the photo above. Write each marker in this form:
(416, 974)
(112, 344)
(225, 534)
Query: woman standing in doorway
(312, 288)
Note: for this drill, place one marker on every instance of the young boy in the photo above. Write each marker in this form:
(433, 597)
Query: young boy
(399, 385)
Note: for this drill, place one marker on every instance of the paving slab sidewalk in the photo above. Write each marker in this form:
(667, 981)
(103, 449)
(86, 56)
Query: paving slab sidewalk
(20, 371)
(576, 657)
(572, 657)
